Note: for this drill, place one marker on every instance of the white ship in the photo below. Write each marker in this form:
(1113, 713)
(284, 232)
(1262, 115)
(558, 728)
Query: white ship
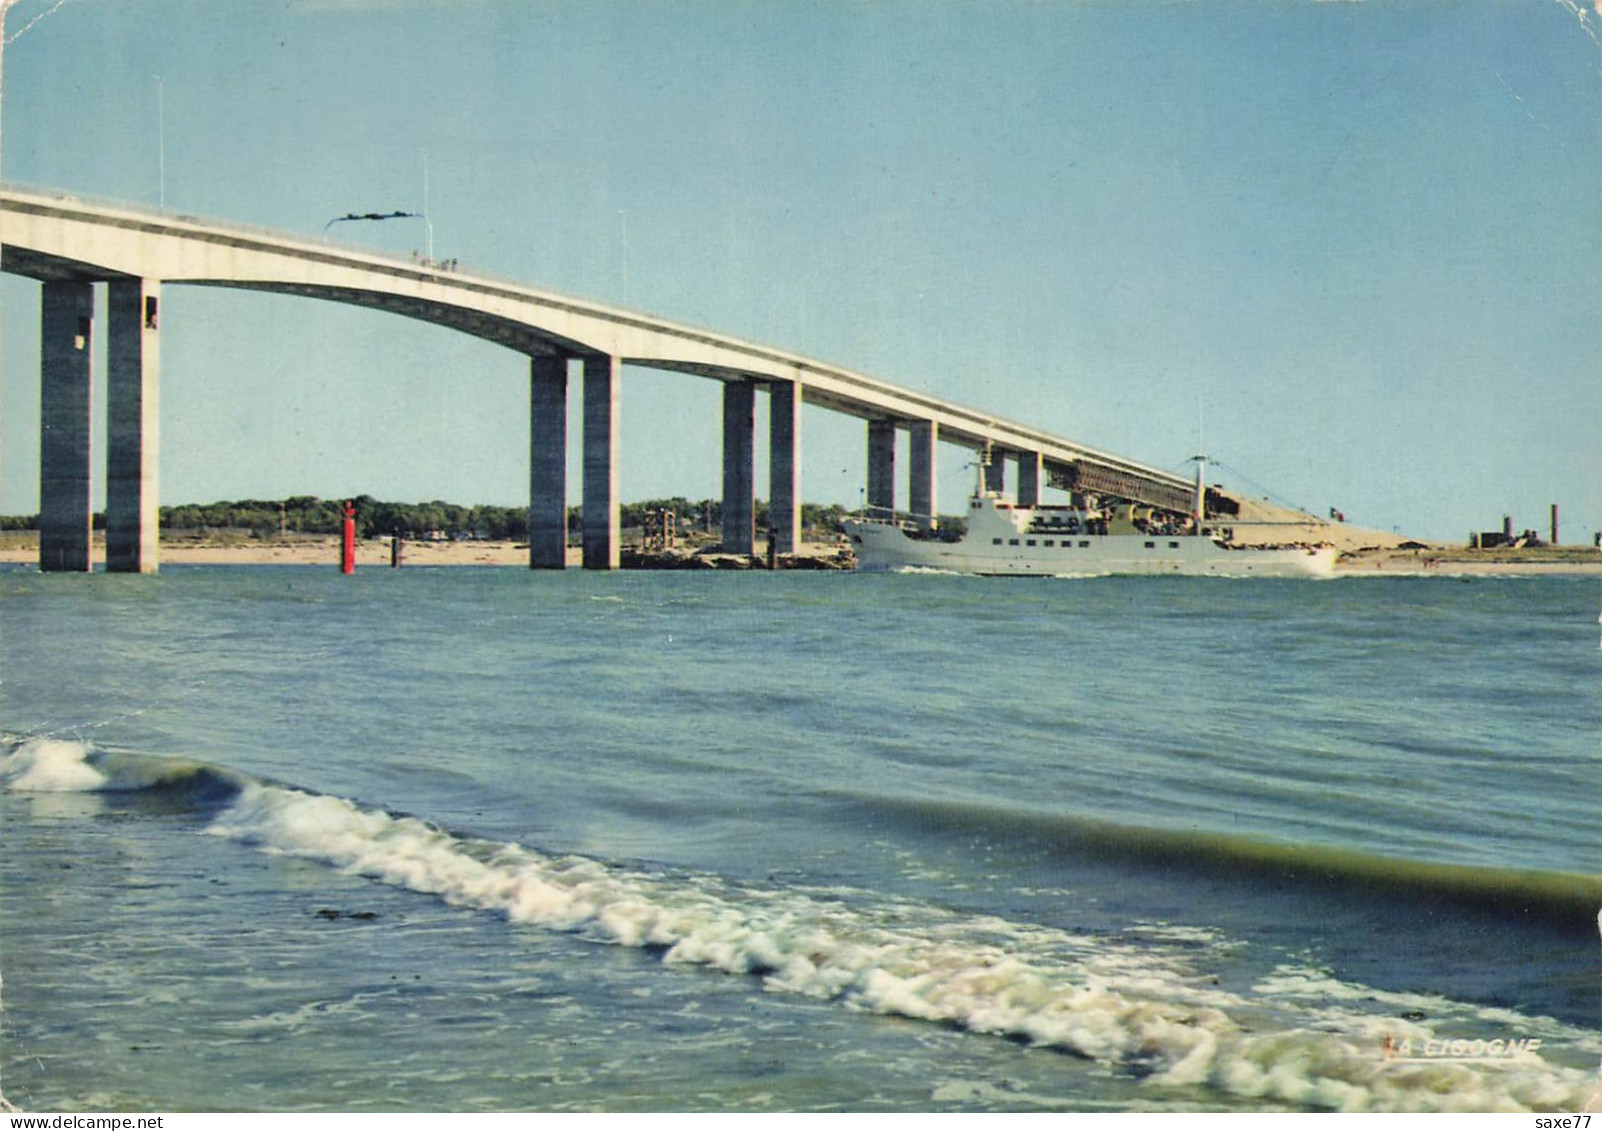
(1086, 539)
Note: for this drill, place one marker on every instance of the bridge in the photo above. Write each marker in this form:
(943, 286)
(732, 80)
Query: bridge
(71, 245)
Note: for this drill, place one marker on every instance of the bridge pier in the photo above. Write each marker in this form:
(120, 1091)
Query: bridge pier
(133, 514)
(739, 409)
(1031, 475)
(923, 495)
(882, 464)
(547, 460)
(784, 466)
(66, 341)
(996, 471)
(67, 245)
(601, 411)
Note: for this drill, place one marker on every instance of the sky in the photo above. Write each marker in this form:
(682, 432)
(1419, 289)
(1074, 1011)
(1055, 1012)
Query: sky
(1353, 249)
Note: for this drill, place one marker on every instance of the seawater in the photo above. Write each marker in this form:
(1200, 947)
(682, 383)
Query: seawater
(486, 839)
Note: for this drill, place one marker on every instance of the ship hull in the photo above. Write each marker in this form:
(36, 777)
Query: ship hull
(885, 547)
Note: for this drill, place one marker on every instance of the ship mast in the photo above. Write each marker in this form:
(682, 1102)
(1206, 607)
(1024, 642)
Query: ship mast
(1199, 504)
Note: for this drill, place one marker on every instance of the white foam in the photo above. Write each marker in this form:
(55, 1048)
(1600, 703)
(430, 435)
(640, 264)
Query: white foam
(1137, 1009)
(1327, 996)
(49, 765)
(1301, 1036)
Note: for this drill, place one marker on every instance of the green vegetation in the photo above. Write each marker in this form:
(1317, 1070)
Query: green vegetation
(307, 514)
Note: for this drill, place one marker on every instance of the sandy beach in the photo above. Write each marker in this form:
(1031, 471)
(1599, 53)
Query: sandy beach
(314, 550)
(308, 551)
(1454, 562)
(1433, 560)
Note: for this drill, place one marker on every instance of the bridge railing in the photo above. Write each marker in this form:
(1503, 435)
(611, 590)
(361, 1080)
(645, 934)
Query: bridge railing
(896, 517)
(470, 274)
(476, 276)
(283, 235)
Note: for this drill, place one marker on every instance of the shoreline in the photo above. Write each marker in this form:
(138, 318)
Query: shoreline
(375, 554)
(1438, 561)
(324, 551)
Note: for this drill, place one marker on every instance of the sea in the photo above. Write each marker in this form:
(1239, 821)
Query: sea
(486, 839)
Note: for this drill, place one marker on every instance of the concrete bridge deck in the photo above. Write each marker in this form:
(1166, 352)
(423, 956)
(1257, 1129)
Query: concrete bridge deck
(69, 245)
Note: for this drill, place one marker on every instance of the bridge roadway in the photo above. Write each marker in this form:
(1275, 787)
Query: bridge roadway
(69, 245)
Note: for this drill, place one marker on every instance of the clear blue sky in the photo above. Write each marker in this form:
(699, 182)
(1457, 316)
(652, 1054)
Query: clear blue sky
(1365, 238)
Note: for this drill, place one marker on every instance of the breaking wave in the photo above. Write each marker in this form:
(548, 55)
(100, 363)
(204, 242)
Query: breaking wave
(54, 765)
(1565, 900)
(1140, 1005)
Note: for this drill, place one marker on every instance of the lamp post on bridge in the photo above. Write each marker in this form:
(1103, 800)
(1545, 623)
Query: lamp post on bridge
(161, 143)
(623, 217)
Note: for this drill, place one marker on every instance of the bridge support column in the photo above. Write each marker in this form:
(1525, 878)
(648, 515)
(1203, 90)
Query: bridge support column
(133, 447)
(602, 382)
(739, 409)
(784, 466)
(547, 463)
(1031, 476)
(923, 495)
(66, 326)
(996, 471)
(882, 464)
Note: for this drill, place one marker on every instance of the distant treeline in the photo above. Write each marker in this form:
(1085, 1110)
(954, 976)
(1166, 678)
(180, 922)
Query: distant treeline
(307, 514)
